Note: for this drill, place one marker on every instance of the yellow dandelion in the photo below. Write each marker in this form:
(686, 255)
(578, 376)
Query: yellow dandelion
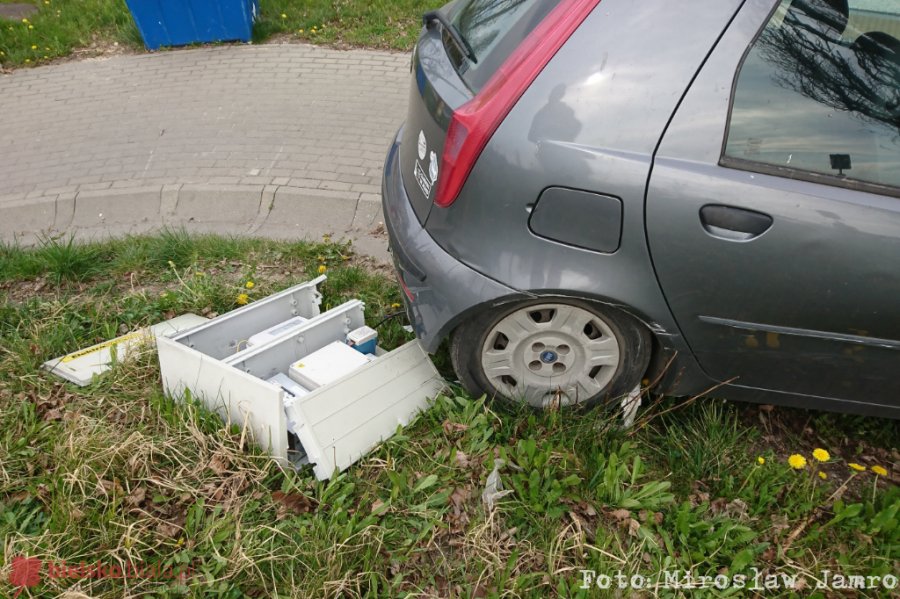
(299, 31)
(31, 26)
(822, 475)
(821, 455)
(2, 53)
(879, 470)
(46, 57)
(797, 461)
(33, 47)
(322, 269)
(396, 305)
(47, 2)
(47, 48)
(857, 467)
(249, 284)
(242, 299)
(760, 460)
(283, 16)
(27, 60)
(25, 21)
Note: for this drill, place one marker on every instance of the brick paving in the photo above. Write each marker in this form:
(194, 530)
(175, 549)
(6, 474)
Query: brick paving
(258, 138)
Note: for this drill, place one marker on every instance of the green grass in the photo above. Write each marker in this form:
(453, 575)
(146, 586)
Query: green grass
(116, 472)
(63, 26)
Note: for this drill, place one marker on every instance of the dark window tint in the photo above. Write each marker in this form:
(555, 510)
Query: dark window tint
(818, 93)
(494, 29)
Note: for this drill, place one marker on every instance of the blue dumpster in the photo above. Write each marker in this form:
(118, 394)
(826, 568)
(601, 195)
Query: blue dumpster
(181, 22)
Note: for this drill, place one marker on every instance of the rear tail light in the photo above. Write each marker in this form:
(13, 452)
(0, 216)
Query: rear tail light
(473, 124)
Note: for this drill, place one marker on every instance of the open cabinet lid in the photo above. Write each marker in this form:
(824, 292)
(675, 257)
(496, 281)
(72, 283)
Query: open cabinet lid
(341, 422)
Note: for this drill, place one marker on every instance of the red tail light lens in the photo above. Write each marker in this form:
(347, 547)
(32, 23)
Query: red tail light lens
(473, 124)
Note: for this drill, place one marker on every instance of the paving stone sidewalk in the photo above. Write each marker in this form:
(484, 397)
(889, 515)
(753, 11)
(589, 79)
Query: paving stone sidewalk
(278, 140)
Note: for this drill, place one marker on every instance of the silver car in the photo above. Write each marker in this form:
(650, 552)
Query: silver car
(590, 194)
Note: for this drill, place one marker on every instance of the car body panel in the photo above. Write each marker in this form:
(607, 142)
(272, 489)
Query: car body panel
(441, 290)
(635, 78)
(809, 307)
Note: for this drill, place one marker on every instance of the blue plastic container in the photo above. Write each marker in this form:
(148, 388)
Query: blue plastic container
(182, 22)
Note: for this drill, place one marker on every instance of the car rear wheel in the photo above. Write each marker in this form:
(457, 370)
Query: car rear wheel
(551, 354)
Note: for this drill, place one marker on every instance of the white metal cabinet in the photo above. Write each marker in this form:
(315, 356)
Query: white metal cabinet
(337, 423)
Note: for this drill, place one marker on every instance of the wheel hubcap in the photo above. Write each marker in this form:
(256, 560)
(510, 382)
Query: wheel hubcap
(550, 354)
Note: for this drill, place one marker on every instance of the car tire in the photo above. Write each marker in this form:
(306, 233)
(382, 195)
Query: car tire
(551, 353)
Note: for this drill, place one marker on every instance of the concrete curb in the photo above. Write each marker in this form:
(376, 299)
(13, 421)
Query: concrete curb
(277, 211)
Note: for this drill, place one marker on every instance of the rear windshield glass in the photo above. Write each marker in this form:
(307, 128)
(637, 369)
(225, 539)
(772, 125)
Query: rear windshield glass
(493, 29)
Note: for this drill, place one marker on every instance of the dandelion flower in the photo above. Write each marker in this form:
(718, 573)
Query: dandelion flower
(25, 21)
(249, 284)
(242, 299)
(879, 470)
(27, 60)
(821, 455)
(760, 460)
(395, 306)
(299, 31)
(283, 16)
(797, 461)
(822, 475)
(33, 47)
(322, 269)
(857, 467)
(31, 26)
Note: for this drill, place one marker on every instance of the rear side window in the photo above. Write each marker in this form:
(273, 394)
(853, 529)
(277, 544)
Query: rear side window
(818, 94)
(493, 29)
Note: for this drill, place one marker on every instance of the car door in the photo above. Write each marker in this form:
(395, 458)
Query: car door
(773, 207)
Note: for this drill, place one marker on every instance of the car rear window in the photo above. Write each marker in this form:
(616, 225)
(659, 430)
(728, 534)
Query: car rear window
(493, 29)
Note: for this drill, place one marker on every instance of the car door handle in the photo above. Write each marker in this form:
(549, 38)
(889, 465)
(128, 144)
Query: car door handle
(734, 224)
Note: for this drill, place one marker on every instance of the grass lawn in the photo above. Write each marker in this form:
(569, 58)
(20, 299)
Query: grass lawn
(94, 26)
(117, 473)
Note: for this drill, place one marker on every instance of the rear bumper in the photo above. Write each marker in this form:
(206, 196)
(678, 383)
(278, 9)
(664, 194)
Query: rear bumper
(439, 290)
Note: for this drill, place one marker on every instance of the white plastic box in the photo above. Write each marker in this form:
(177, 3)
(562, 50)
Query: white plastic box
(336, 423)
(325, 366)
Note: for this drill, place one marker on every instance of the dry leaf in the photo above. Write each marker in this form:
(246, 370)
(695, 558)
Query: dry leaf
(620, 515)
(377, 505)
(296, 502)
(136, 497)
(458, 517)
(462, 460)
(167, 529)
(633, 527)
(454, 427)
(218, 464)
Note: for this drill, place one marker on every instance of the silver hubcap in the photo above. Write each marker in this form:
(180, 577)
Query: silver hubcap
(550, 354)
